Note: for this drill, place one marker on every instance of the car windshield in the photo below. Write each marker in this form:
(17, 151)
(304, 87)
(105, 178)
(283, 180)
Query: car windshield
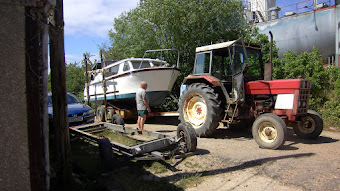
(70, 99)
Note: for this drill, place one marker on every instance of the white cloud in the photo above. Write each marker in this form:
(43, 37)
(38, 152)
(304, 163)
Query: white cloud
(71, 58)
(93, 17)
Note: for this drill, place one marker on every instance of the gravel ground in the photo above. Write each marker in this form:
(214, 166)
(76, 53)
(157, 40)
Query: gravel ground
(233, 161)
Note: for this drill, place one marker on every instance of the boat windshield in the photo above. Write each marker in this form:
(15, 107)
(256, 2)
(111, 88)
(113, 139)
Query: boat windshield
(140, 65)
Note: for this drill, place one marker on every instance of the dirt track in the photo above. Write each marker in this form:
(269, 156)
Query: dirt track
(233, 161)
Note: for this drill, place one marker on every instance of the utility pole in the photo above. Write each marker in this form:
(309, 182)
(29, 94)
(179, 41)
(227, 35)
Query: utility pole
(60, 141)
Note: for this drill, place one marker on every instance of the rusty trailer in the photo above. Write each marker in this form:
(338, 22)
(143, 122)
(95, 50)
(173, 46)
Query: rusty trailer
(185, 140)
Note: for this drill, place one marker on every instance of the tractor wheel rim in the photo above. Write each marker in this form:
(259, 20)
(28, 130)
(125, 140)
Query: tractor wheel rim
(309, 126)
(195, 110)
(267, 132)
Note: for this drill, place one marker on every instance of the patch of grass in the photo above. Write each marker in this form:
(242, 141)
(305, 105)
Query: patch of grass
(188, 164)
(86, 166)
(189, 181)
(133, 176)
(128, 174)
(118, 138)
(156, 168)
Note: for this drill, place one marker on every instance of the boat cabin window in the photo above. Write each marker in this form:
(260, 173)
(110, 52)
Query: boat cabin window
(140, 65)
(126, 67)
(112, 70)
(157, 64)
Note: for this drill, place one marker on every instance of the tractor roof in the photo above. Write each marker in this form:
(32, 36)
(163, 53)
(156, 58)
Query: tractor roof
(215, 46)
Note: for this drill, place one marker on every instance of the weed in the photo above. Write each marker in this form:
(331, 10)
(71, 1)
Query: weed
(190, 181)
(156, 168)
(118, 138)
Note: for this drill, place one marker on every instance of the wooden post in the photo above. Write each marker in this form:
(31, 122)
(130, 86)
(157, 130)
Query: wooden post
(36, 44)
(104, 82)
(60, 144)
(87, 81)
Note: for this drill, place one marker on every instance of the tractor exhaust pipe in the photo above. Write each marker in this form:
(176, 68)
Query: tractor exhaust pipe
(268, 68)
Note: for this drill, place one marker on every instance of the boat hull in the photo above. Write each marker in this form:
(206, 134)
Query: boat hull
(121, 90)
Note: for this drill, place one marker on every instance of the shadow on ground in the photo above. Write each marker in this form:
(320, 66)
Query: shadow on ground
(246, 134)
(161, 120)
(291, 136)
(242, 166)
(127, 174)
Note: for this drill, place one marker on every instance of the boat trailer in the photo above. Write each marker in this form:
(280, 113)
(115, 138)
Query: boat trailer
(186, 140)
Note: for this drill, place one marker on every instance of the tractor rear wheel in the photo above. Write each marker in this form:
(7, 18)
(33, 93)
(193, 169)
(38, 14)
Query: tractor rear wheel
(311, 128)
(199, 105)
(269, 131)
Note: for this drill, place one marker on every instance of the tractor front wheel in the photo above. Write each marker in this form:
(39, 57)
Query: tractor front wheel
(269, 131)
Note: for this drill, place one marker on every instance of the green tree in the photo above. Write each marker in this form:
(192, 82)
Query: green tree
(306, 65)
(75, 78)
(181, 24)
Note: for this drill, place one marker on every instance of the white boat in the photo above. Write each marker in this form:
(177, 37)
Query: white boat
(123, 78)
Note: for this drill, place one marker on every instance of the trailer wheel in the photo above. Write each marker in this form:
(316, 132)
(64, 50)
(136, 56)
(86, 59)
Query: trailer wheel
(187, 136)
(100, 114)
(117, 119)
(311, 128)
(269, 131)
(106, 153)
(199, 105)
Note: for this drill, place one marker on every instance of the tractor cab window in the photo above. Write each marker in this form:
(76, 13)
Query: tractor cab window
(202, 63)
(238, 60)
(221, 65)
(255, 70)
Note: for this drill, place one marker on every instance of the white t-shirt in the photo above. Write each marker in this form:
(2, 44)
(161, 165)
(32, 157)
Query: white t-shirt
(140, 96)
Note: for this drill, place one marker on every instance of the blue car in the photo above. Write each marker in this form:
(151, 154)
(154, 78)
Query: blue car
(78, 113)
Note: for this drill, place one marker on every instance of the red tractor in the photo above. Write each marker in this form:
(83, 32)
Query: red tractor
(226, 87)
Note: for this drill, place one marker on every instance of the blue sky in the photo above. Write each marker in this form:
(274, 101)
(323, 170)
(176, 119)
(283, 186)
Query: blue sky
(87, 23)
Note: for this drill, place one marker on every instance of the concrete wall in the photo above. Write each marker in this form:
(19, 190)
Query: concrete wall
(14, 152)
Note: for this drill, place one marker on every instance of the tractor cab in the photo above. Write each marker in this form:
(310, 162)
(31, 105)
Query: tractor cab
(231, 64)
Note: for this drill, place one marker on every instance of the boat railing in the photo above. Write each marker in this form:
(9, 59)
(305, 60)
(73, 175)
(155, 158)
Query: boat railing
(161, 54)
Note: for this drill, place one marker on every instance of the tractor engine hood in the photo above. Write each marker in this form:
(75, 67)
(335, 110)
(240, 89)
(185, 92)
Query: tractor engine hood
(284, 86)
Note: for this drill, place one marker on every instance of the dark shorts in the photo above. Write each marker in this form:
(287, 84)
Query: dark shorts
(142, 112)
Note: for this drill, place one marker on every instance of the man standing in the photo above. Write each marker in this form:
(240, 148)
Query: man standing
(142, 102)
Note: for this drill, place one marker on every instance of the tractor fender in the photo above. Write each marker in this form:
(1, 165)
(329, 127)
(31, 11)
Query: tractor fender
(194, 78)
(199, 79)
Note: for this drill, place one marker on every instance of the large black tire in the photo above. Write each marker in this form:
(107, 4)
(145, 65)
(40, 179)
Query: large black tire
(100, 114)
(188, 137)
(106, 153)
(269, 131)
(117, 119)
(200, 106)
(312, 128)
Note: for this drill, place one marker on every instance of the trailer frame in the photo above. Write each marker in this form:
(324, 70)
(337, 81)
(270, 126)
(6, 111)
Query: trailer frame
(147, 150)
